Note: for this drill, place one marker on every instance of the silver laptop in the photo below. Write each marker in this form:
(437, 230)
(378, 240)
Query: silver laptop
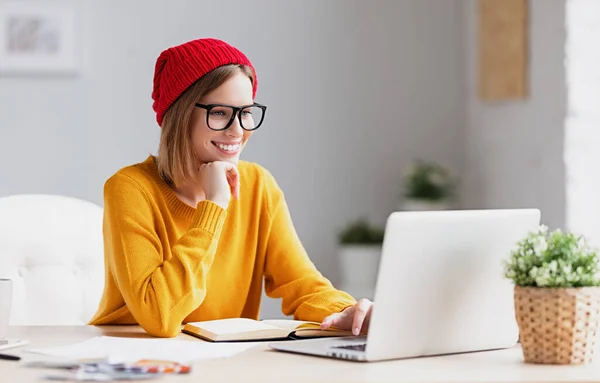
(440, 288)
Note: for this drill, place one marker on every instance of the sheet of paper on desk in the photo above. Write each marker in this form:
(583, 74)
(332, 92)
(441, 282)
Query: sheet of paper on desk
(117, 349)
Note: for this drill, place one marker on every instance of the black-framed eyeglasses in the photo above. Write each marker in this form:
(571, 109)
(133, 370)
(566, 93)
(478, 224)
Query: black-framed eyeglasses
(220, 117)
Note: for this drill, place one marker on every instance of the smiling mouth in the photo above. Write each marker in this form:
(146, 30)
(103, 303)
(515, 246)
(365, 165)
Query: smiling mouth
(228, 148)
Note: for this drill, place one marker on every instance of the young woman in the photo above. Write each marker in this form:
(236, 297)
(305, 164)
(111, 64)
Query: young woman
(190, 234)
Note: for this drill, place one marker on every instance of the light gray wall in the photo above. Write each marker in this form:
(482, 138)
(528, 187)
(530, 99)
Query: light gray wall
(515, 151)
(355, 90)
(582, 136)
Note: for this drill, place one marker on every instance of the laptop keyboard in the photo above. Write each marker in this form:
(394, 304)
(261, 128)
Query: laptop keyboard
(355, 347)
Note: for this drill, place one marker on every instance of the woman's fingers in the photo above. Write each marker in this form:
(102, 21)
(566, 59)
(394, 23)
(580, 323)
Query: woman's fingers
(362, 308)
(332, 320)
(233, 178)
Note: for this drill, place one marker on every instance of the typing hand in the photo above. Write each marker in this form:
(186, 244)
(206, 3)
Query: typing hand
(355, 318)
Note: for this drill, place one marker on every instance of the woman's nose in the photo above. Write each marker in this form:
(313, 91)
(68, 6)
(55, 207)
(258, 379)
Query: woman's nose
(235, 129)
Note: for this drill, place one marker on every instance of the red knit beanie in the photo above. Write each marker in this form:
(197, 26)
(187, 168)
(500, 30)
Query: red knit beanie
(180, 66)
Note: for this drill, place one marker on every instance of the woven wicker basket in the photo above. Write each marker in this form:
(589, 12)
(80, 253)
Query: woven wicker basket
(558, 325)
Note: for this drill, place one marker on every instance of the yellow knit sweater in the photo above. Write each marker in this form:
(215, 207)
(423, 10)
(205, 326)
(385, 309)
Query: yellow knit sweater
(168, 263)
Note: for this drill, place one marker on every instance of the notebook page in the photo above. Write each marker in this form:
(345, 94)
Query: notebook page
(233, 325)
(287, 324)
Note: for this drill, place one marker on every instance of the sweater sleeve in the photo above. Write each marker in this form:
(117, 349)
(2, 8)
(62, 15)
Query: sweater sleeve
(289, 272)
(160, 286)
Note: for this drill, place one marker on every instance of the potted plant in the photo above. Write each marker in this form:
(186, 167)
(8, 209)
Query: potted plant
(360, 250)
(428, 186)
(557, 298)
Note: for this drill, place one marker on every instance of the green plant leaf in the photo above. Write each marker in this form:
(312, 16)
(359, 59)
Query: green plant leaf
(361, 232)
(428, 181)
(555, 259)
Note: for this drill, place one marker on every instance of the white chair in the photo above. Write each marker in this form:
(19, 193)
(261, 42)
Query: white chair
(51, 247)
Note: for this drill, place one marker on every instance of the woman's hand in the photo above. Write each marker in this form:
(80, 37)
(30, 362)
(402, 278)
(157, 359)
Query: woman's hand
(220, 180)
(355, 318)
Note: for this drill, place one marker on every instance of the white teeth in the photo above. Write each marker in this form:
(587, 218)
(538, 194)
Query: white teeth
(229, 148)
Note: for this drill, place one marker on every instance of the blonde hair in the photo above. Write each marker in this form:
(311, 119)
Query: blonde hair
(176, 159)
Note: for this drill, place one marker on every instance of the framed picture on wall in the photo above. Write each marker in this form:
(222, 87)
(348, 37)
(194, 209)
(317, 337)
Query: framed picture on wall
(37, 39)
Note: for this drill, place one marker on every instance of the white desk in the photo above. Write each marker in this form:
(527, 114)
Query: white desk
(260, 364)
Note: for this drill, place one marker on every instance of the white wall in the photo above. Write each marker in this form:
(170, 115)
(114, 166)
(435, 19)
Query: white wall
(582, 135)
(355, 90)
(514, 154)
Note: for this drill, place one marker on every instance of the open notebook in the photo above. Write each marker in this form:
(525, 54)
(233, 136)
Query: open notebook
(244, 329)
